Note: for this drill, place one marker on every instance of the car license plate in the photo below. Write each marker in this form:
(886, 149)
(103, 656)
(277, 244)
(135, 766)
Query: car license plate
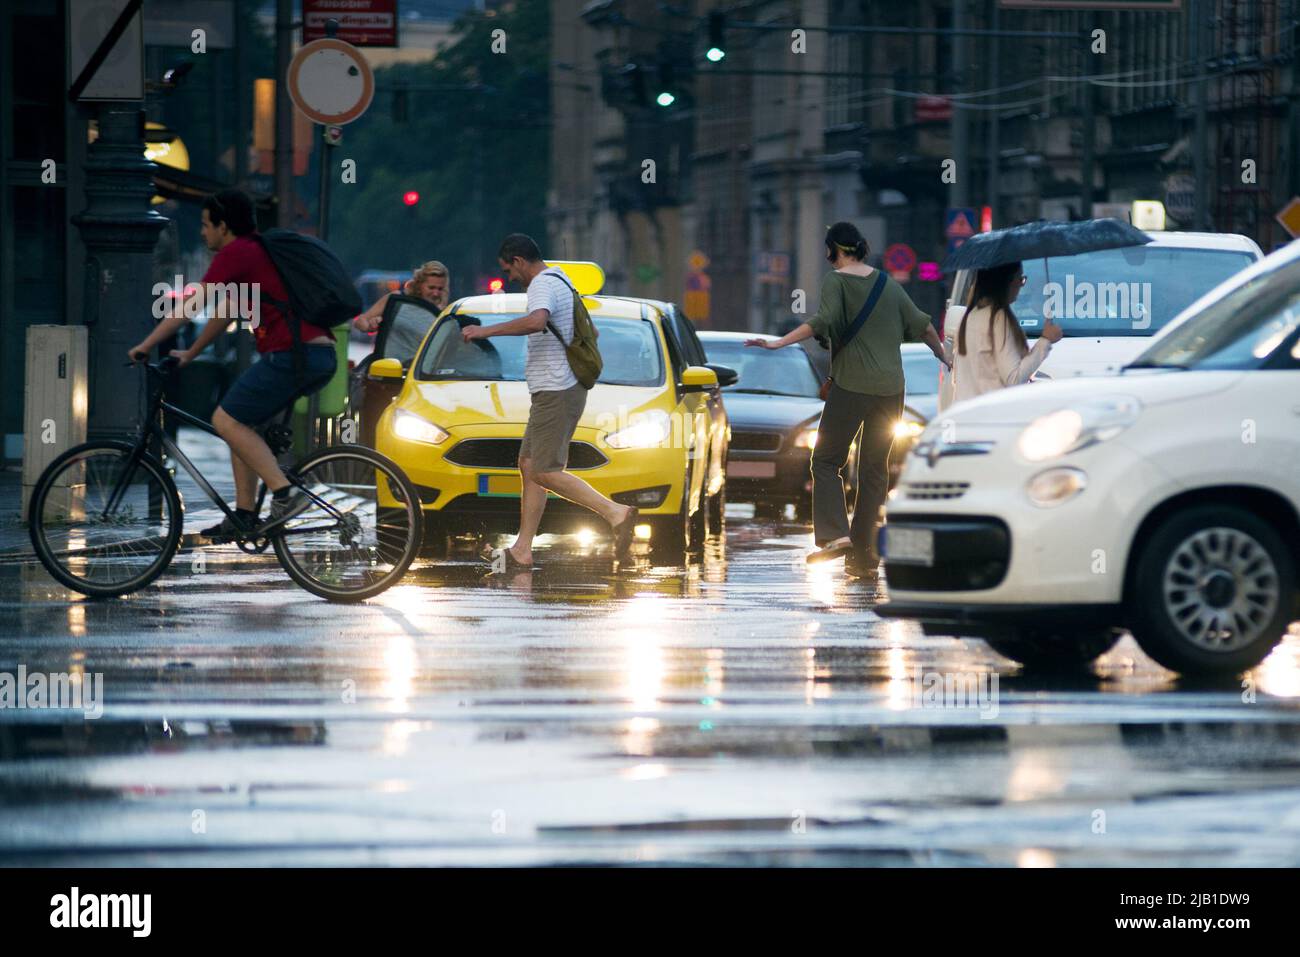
(742, 469)
(909, 546)
(493, 484)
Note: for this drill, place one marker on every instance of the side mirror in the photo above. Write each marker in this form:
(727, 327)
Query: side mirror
(726, 375)
(698, 379)
(386, 369)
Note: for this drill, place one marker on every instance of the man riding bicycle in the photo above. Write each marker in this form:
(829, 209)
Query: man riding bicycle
(272, 383)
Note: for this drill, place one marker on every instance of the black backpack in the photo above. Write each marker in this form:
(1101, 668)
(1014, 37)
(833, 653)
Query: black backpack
(319, 287)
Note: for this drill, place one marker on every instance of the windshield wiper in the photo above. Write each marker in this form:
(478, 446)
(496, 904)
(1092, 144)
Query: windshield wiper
(767, 392)
(1149, 364)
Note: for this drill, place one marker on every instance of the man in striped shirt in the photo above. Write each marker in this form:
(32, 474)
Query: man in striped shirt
(558, 400)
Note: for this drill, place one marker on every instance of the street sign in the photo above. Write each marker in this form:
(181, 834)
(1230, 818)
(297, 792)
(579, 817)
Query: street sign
(363, 23)
(900, 257)
(1180, 196)
(773, 267)
(330, 82)
(959, 222)
(1289, 217)
(931, 108)
(120, 72)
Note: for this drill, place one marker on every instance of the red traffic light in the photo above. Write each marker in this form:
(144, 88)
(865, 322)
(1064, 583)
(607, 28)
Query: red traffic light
(410, 197)
(496, 285)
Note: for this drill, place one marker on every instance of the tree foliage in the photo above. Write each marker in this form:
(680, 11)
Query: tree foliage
(471, 138)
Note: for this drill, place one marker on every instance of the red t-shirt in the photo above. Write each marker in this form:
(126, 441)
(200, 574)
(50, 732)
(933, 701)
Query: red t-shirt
(245, 261)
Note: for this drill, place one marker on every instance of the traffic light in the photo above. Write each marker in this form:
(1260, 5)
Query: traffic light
(665, 90)
(410, 197)
(496, 285)
(717, 37)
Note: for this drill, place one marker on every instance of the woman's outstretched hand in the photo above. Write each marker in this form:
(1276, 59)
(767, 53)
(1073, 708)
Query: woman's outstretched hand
(763, 343)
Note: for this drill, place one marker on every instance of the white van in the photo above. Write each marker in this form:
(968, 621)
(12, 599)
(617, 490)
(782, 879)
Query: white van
(1111, 302)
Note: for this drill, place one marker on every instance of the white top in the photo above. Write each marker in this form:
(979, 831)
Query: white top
(547, 367)
(992, 360)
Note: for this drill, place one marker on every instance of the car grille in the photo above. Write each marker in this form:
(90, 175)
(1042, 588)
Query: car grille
(934, 490)
(755, 441)
(504, 454)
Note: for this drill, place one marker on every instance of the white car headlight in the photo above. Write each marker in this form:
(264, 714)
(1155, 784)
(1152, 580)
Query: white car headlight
(409, 426)
(647, 430)
(1067, 430)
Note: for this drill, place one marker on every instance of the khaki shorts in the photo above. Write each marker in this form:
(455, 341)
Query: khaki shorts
(552, 419)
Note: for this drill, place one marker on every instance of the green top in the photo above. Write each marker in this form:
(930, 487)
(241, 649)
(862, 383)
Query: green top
(871, 363)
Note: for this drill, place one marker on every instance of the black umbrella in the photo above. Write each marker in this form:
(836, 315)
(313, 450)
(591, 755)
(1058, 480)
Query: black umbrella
(1041, 239)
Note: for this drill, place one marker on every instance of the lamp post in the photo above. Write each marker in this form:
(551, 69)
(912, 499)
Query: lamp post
(120, 230)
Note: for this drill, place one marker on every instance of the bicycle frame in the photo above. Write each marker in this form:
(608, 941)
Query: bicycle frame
(152, 429)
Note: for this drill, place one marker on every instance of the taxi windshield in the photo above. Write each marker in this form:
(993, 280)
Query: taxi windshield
(629, 349)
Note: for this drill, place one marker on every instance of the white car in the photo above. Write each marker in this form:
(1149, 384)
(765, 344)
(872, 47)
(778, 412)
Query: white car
(1111, 303)
(1165, 500)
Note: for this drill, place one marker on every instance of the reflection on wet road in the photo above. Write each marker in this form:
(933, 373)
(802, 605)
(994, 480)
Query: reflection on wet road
(742, 710)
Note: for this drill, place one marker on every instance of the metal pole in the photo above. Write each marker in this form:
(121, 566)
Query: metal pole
(994, 186)
(1200, 151)
(1089, 124)
(960, 123)
(283, 113)
(326, 167)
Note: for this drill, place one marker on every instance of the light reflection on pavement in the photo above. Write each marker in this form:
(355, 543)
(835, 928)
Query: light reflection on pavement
(742, 710)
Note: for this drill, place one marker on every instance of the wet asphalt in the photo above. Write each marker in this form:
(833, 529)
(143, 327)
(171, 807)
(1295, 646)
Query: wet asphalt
(743, 709)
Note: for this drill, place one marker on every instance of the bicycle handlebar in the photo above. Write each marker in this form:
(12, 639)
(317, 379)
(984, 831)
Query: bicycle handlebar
(163, 366)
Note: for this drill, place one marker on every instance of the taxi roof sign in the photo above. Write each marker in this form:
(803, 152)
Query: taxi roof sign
(587, 277)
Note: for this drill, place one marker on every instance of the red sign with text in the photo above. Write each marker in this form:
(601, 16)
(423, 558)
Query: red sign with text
(363, 23)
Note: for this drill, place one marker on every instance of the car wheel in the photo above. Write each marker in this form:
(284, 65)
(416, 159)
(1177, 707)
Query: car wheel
(1212, 591)
(803, 509)
(437, 540)
(700, 523)
(717, 511)
(769, 511)
(670, 536)
(1041, 651)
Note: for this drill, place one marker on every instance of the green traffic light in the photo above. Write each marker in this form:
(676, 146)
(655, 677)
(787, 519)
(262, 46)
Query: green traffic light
(715, 54)
(665, 99)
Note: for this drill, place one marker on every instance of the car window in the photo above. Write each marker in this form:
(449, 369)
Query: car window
(692, 349)
(1255, 324)
(404, 328)
(765, 371)
(921, 373)
(1132, 291)
(629, 348)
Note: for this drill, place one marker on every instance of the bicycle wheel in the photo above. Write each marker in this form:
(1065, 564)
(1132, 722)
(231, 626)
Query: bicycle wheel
(103, 522)
(361, 530)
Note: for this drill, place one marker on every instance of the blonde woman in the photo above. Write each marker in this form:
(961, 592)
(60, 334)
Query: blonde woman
(429, 282)
(992, 352)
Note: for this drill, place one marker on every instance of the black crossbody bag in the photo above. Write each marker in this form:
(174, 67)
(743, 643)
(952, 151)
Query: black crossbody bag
(872, 298)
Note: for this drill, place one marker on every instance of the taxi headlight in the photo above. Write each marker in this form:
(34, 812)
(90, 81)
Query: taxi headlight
(908, 429)
(1056, 486)
(647, 430)
(1067, 430)
(409, 426)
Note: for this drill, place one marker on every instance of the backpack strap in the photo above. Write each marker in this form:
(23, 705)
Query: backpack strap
(865, 311)
(573, 292)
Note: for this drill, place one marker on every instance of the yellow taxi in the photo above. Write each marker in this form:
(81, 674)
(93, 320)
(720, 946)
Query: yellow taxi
(654, 433)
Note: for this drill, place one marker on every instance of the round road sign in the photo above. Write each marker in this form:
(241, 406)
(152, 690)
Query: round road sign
(331, 82)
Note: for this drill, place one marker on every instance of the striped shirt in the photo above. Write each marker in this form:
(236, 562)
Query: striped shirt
(547, 366)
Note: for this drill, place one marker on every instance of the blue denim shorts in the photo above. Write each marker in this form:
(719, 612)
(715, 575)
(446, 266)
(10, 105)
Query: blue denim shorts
(269, 385)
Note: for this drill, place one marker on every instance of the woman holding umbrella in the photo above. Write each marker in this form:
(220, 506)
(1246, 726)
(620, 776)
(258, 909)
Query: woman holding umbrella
(992, 351)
